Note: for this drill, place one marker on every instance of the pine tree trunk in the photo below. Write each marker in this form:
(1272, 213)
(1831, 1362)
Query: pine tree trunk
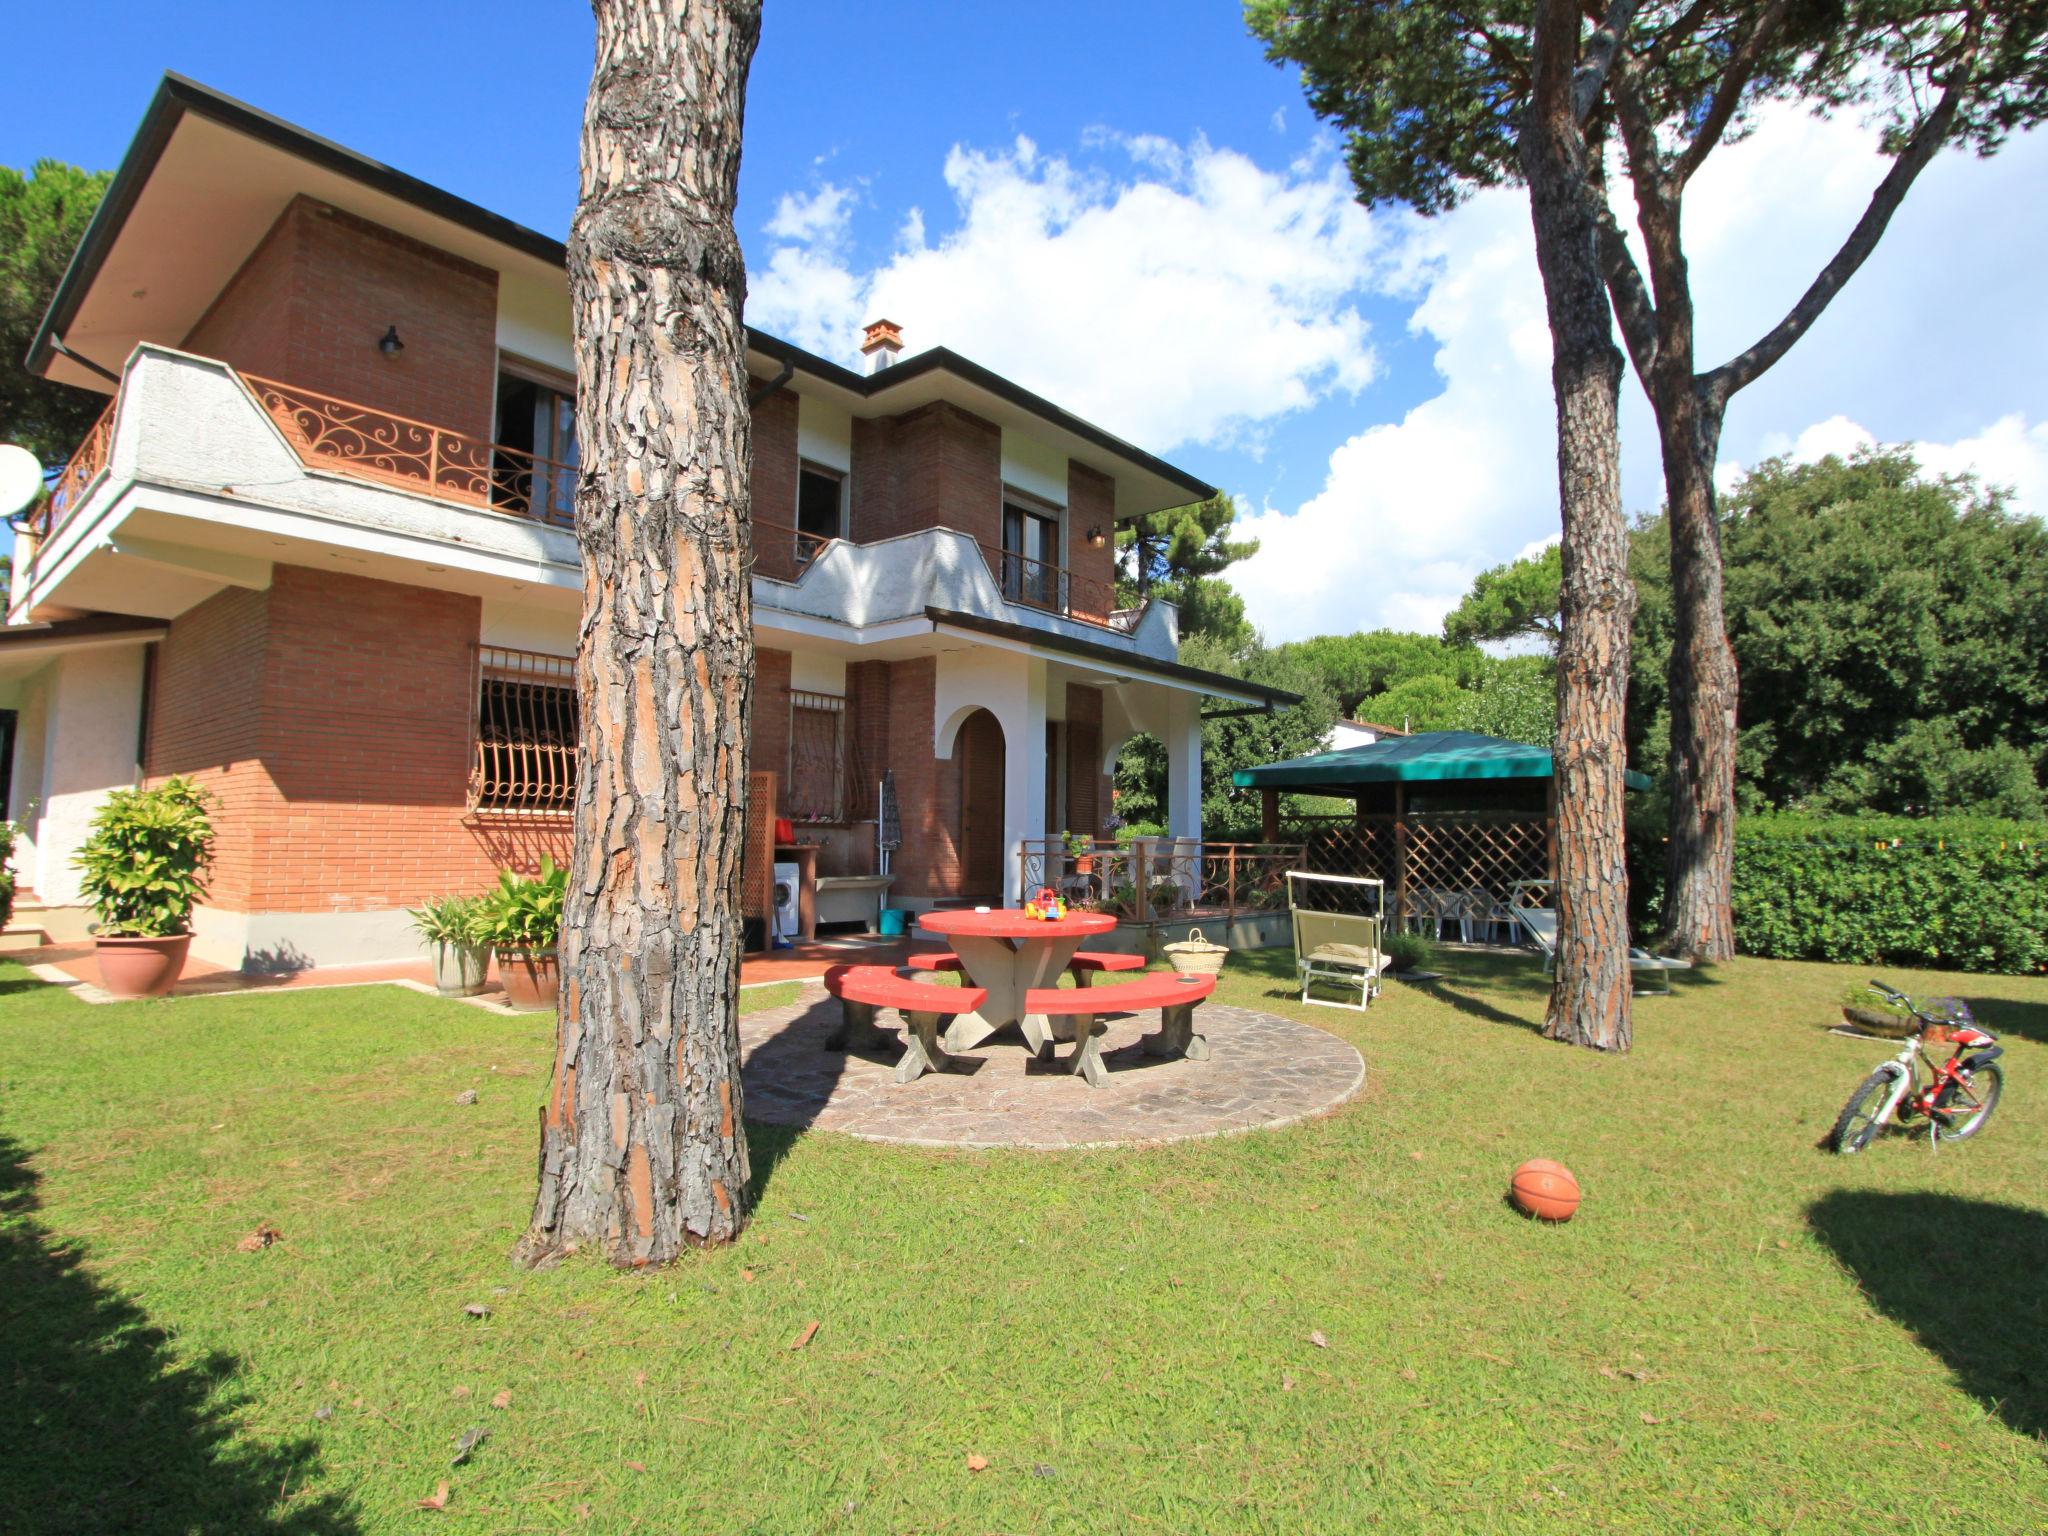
(1590, 995)
(642, 1149)
(1700, 856)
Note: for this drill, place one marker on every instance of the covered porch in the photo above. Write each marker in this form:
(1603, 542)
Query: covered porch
(1456, 824)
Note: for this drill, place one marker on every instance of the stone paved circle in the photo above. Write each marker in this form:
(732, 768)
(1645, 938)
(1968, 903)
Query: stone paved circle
(1263, 1071)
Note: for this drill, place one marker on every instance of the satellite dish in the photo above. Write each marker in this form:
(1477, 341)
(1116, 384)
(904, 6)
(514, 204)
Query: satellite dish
(21, 476)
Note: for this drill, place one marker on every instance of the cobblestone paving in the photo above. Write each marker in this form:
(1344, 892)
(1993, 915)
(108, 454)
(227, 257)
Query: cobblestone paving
(1264, 1071)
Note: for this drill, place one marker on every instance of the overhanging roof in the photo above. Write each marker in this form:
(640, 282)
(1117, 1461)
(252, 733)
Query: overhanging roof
(206, 176)
(1122, 660)
(1428, 755)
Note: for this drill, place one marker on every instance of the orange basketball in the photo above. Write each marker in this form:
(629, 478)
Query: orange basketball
(1545, 1190)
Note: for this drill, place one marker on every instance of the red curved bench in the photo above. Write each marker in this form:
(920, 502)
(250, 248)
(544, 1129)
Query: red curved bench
(934, 960)
(1174, 996)
(861, 989)
(1087, 964)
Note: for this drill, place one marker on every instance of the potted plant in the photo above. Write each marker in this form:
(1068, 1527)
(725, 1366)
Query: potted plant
(521, 919)
(1081, 849)
(462, 964)
(9, 831)
(144, 864)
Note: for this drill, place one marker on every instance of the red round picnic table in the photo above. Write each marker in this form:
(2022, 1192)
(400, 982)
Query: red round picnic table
(1008, 954)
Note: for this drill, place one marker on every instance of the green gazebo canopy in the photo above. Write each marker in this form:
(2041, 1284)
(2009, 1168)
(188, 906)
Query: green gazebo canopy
(1407, 759)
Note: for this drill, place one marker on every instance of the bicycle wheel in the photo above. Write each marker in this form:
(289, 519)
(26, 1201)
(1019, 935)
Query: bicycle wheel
(1964, 1118)
(1857, 1123)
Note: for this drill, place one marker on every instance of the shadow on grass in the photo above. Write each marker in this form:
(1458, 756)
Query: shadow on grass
(2008, 1016)
(104, 1429)
(1965, 1277)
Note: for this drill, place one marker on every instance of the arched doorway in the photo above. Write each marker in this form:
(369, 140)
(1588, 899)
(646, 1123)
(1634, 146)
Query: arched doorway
(978, 750)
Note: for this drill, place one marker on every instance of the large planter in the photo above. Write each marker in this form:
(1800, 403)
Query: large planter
(531, 978)
(461, 970)
(132, 967)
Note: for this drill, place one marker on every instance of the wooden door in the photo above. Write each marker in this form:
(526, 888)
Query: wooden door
(980, 751)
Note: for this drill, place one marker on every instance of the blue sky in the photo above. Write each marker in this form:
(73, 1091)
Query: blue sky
(1128, 208)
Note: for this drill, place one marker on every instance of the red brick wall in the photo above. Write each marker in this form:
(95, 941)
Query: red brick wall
(333, 715)
(1091, 503)
(927, 791)
(867, 748)
(205, 721)
(775, 459)
(770, 742)
(1084, 761)
(937, 466)
(312, 300)
(251, 321)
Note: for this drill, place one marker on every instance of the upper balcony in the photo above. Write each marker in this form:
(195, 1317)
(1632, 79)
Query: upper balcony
(193, 438)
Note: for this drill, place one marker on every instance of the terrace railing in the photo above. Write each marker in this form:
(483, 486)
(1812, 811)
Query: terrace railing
(1162, 879)
(78, 476)
(784, 553)
(1055, 589)
(375, 444)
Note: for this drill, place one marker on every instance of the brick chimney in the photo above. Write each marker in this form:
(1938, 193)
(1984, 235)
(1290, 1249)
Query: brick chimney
(879, 344)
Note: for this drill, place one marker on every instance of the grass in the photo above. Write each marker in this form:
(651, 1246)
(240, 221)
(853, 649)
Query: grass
(1738, 1331)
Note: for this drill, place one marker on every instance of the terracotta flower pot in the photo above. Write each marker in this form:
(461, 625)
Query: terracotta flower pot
(131, 967)
(531, 978)
(461, 970)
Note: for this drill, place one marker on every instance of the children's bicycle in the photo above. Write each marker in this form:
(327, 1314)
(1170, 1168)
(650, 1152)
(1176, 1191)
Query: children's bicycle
(1958, 1096)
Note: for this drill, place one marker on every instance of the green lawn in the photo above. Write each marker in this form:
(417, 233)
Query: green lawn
(1738, 1331)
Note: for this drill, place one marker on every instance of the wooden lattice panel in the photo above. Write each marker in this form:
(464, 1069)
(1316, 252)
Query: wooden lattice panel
(757, 878)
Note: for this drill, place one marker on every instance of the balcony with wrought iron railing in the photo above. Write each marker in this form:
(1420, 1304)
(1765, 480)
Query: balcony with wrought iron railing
(368, 443)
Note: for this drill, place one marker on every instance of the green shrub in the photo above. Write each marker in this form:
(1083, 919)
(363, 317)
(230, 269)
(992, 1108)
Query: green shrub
(523, 913)
(1953, 892)
(145, 859)
(1408, 951)
(448, 920)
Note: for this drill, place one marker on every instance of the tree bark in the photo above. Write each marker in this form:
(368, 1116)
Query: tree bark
(1590, 995)
(642, 1150)
(1704, 687)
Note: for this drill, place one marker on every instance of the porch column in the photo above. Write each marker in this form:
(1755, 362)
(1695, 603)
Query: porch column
(1023, 778)
(1183, 739)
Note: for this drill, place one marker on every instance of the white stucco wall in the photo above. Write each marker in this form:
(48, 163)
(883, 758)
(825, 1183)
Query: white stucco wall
(1012, 687)
(86, 733)
(817, 672)
(1034, 467)
(529, 627)
(534, 320)
(824, 433)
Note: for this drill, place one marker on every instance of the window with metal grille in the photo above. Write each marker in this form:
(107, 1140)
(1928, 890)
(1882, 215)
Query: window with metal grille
(525, 732)
(817, 757)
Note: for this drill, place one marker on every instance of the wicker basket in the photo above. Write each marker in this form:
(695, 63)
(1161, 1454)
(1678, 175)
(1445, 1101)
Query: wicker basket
(1196, 956)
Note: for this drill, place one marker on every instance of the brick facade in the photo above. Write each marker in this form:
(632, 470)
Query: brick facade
(333, 715)
(770, 743)
(311, 302)
(936, 466)
(1091, 503)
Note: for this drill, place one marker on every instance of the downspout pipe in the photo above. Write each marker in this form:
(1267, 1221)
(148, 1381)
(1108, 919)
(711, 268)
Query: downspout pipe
(57, 346)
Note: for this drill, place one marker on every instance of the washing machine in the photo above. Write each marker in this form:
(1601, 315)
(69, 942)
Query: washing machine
(788, 923)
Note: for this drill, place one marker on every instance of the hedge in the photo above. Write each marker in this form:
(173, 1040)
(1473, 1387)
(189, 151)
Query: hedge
(1952, 893)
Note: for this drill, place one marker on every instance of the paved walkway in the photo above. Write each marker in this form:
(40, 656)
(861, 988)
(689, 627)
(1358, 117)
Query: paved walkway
(1263, 1071)
(74, 965)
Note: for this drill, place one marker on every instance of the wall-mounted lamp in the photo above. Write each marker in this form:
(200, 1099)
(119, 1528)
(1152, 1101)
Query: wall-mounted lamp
(1097, 538)
(389, 344)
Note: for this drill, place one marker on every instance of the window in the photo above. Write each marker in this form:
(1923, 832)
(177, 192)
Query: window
(817, 757)
(525, 732)
(1031, 555)
(820, 504)
(534, 469)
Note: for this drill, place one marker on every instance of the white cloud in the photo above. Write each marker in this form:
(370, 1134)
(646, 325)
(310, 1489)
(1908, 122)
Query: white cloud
(1935, 342)
(1188, 298)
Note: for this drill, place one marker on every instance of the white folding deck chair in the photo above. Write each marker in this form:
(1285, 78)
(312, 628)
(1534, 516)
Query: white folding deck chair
(1540, 923)
(1338, 949)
